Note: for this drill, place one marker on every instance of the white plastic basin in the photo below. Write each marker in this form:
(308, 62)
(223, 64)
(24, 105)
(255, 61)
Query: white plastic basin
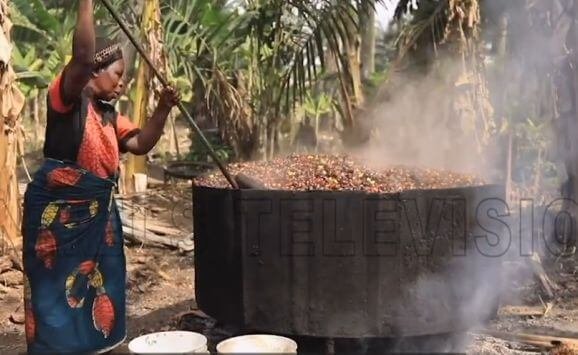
(257, 343)
(174, 342)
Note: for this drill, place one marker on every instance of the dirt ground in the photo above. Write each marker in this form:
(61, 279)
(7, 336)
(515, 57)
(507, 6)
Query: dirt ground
(524, 310)
(161, 286)
(153, 301)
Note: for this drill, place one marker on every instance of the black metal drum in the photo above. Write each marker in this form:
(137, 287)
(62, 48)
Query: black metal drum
(341, 264)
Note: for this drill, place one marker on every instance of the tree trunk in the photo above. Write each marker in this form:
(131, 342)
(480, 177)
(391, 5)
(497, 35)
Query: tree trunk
(368, 37)
(348, 121)
(501, 54)
(570, 190)
(12, 104)
(151, 31)
(351, 86)
(353, 50)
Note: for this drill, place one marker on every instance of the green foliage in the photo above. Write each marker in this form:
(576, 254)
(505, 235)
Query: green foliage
(246, 65)
(249, 69)
(42, 34)
(293, 38)
(199, 153)
(318, 105)
(197, 37)
(35, 24)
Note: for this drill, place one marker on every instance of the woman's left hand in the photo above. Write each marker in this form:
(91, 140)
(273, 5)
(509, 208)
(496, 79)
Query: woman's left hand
(170, 97)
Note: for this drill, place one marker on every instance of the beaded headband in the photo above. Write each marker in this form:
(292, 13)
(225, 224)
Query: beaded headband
(107, 55)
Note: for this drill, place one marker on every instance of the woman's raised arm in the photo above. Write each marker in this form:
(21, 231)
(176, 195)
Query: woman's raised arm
(78, 71)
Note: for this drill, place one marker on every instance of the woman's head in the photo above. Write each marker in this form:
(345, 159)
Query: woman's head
(107, 77)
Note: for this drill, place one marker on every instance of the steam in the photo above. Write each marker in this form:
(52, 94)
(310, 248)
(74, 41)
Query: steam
(422, 118)
(423, 122)
(418, 122)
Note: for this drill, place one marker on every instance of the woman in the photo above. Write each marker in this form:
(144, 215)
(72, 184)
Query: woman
(72, 248)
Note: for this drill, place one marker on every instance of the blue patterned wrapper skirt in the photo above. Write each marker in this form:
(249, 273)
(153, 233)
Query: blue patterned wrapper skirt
(74, 262)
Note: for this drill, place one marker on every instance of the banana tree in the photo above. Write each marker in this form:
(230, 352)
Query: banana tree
(35, 65)
(42, 35)
(32, 83)
(151, 34)
(10, 146)
(34, 24)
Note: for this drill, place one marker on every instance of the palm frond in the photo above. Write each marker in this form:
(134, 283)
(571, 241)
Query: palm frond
(330, 28)
(404, 8)
(426, 26)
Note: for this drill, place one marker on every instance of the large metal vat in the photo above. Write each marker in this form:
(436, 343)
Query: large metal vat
(349, 264)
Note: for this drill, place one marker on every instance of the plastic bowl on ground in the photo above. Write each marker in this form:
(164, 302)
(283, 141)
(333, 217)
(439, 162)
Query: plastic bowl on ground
(173, 342)
(256, 344)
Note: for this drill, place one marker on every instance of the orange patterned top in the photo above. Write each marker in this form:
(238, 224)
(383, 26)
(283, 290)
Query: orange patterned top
(99, 150)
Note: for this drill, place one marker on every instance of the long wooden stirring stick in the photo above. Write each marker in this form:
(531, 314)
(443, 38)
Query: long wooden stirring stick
(165, 83)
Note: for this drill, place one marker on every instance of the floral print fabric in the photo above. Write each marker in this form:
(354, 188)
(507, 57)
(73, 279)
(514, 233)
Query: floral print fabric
(74, 262)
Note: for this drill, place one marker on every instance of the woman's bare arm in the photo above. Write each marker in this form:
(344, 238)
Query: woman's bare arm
(148, 137)
(78, 71)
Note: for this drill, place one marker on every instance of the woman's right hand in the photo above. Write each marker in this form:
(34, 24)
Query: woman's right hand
(170, 97)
